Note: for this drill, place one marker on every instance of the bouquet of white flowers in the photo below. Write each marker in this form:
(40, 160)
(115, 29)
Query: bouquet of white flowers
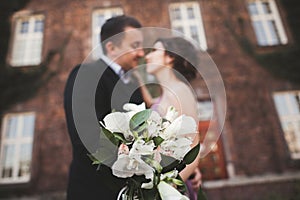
(152, 150)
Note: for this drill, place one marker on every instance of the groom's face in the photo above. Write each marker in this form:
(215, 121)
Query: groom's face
(130, 49)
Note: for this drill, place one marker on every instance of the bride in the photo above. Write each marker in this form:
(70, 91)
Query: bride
(170, 61)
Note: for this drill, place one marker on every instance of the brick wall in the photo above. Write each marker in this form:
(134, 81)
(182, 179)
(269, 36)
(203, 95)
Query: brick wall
(256, 138)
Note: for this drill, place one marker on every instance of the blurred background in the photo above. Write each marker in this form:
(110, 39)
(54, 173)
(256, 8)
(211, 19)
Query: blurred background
(254, 43)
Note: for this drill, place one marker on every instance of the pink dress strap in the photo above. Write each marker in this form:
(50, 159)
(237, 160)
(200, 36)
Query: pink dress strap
(155, 105)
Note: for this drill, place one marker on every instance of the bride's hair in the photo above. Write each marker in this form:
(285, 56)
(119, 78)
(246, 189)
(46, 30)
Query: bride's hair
(184, 54)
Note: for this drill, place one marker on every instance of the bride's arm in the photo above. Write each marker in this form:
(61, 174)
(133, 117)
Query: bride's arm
(188, 107)
(190, 169)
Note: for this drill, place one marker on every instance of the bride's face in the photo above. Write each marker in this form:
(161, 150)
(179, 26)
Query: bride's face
(156, 58)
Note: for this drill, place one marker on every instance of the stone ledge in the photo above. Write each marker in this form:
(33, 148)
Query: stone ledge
(45, 196)
(244, 181)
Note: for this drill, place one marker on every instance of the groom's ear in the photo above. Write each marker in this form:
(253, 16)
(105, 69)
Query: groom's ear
(109, 46)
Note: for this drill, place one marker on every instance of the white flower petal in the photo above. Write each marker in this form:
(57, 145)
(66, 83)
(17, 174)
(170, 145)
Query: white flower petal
(147, 185)
(139, 147)
(134, 107)
(167, 192)
(117, 122)
(126, 166)
(119, 168)
(155, 117)
(176, 148)
(180, 127)
(171, 114)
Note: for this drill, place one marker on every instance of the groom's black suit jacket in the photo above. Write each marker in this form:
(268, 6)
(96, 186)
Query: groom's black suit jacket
(85, 181)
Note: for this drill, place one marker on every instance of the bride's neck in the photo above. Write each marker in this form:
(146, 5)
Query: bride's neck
(166, 76)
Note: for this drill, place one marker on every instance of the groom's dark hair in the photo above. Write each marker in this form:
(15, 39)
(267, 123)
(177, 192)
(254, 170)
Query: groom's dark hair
(114, 26)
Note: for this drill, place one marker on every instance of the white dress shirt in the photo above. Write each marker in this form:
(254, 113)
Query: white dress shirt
(125, 77)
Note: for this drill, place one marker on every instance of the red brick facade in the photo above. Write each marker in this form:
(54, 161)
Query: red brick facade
(254, 137)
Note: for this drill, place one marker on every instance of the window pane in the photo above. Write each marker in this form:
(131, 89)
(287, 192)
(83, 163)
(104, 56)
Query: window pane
(205, 110)
(260, 33)
(34, 54)
(266, 7)
(12, 123)
(274, 33)
(252, 8)
(24, 27)
(179, 29)
(176, 15)
(281, 105)
(190, 11)
(25, 160)
(115, 14)
(8, 155)
(28, 127)
(292, 98)
(100, 20)
(39, 26)
(194, 33)
(291, 138)
(19, 51)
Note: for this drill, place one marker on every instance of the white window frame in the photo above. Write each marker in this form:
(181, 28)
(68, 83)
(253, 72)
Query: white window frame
(27, 47)
(290, 119)
(264, 18)
(205, 110)
(186, 23)
(17, 141)
(96, 27)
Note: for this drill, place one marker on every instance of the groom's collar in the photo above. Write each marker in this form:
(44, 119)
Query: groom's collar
(125, 77)
(114, 66)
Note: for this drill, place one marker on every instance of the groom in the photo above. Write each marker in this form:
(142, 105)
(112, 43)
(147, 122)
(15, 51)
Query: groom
(121, 54)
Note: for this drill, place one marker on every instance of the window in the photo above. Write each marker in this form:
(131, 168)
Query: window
(186, 19)
(28, 41)
(16, 147)
(266, 22)
(99, 17)
(288, 108)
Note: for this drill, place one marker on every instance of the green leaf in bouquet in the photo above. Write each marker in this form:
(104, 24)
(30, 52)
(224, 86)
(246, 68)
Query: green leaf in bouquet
(192, 154)
(181, 188)
(177, 182)
(137, 122)
(110, 136)
(140, 128)
(201, 195)
(152, 162)
(120, 137)
(157, 140)
(103, 154)
(169, 163)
